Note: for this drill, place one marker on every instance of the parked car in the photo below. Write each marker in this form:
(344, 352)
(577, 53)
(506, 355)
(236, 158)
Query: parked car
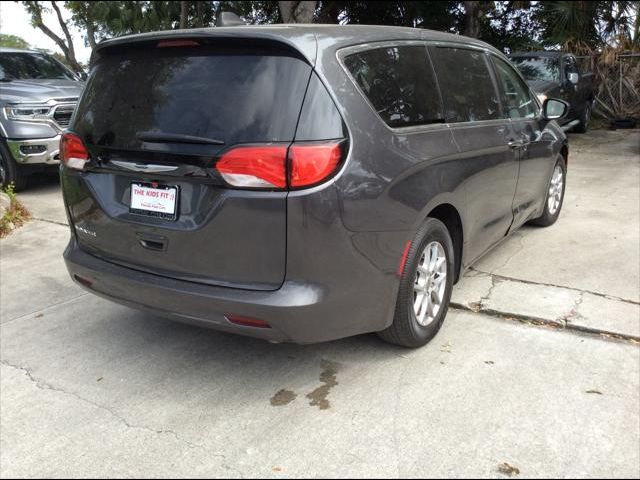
(37, 96)
(302, 183)
(557, 75)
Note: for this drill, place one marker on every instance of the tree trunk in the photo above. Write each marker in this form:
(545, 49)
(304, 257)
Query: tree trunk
(66, 47)
(199, 15)
(472, 15)
(297, 12)
(91, 35)
(183, 15)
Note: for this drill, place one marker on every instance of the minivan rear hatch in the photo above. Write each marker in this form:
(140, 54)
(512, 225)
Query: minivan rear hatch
(154, 117)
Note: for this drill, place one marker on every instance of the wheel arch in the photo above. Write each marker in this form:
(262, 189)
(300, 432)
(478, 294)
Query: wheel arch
(449, 215)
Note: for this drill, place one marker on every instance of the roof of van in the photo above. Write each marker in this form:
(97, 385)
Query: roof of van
(304, 37)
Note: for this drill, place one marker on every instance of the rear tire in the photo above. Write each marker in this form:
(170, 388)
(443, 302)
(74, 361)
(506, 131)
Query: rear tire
(585, 119)
(418, 318)
(555, 196)
(10, 172)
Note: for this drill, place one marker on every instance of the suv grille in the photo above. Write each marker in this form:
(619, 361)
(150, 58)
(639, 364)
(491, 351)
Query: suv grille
(62, 114)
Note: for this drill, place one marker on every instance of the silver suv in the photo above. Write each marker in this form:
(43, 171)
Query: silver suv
(38, 95)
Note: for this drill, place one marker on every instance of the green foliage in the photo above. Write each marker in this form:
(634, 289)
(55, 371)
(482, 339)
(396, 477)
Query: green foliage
(508, 25)
(12, 41)
(15, 215)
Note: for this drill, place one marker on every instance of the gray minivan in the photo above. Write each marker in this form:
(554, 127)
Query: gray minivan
(302, 183)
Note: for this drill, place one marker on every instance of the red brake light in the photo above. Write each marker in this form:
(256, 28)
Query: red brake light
(255, 166)
(73, 153)
(312, 163)
(177, 43)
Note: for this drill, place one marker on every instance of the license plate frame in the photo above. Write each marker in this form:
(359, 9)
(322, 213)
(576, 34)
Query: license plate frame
(151, 213)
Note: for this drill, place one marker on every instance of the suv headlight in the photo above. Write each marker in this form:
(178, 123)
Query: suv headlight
(27, 112)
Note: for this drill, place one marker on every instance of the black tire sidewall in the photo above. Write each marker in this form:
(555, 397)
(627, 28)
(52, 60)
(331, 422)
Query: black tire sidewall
(432, 230)
(12, 172)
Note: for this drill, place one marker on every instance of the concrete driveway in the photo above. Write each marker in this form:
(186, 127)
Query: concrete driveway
(537, 367)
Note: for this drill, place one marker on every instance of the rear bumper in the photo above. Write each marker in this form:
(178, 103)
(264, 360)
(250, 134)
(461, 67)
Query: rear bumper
(36, 151)
(297, 312)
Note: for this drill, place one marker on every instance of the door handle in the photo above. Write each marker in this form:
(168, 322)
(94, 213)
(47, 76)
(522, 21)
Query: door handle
(515, 144)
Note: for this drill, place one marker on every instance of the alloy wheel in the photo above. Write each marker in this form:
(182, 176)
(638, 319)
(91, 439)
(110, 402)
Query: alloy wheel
(555, 190)
(430, 283)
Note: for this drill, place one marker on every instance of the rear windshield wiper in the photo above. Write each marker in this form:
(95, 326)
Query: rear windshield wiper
(161, 137)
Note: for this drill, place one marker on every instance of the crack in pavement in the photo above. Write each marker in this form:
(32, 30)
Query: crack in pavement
(532, 282)
(573, 313)
(519, 249)
(38, 219)
(555, 324)
(42, 310)
(42, 385)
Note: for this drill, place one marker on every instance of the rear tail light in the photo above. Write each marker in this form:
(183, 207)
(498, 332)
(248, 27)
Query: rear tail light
(312, 163)
(255, 166)
(247, 321)
(73, 153)
(265, 166)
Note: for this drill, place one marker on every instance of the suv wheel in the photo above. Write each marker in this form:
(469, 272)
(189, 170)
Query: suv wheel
(9, 170)
(425, 287)
(585, 118)
(555, 196)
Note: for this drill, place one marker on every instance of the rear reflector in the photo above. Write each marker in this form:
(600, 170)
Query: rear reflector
(403, 259)
(73, 153)
(255, 166)
(83, 281)
(247, 321)
(177, 43)
(313, 163)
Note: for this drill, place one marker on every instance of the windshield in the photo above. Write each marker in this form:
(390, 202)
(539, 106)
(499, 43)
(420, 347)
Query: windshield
(538, 68)
(30, 66)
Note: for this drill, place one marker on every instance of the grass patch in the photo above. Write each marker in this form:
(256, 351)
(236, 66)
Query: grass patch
(15, 216)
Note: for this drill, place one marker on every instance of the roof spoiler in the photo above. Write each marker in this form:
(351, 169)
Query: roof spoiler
(229, 19)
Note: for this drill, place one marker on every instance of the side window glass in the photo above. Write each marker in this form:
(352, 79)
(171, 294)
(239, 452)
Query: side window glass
(517, 97)
(468, 91)
(399, 83)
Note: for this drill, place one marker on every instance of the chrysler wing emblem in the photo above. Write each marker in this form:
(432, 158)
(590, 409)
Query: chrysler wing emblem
(144, 167)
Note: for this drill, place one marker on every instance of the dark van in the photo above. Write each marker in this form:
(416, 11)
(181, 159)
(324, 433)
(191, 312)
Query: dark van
(302, 183)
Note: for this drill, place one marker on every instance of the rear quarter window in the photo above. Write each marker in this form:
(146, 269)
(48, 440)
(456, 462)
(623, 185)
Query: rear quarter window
(233, 94)
(468, 91)
(399, 83)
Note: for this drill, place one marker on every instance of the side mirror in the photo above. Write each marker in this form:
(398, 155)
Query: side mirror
(573, 78)
(553, 109)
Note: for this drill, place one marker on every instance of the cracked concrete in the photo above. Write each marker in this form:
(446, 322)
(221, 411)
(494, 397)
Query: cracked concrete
(548, 304)
(46, 386)
(93, 389)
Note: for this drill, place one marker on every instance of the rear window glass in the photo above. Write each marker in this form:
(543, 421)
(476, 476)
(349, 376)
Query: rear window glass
(235, 96)
(467, 89)
(399, 83)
